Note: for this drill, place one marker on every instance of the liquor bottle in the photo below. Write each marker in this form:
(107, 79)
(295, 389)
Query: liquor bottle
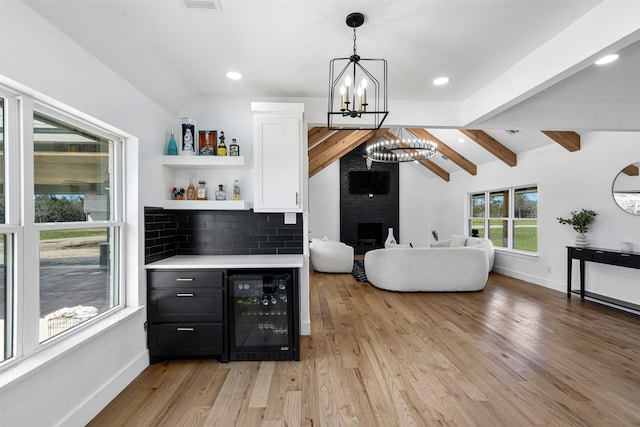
(207, 149)
(234, 148)
(172, 147)
(191, 190)
(236, 189)
(202, 191)
(220, 193)
(222, 149)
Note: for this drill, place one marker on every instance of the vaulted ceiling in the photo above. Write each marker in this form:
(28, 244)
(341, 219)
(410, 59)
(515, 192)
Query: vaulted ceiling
(327, 146)
(523, 65)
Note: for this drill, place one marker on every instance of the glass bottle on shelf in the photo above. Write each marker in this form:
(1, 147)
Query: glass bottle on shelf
(234, 148)
(172, 147)
(208, 149)
(202, 192)
(191, 190)
(236, 189)
(220, 193)
(222, 149)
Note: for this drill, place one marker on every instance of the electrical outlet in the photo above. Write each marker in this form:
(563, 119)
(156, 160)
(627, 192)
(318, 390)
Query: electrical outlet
(548, 269)
(289, 217)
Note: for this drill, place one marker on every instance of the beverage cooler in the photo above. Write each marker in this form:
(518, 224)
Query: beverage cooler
(264, 315)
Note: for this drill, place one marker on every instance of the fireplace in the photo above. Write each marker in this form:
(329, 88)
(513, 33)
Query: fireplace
(364, 218)
(369, 234)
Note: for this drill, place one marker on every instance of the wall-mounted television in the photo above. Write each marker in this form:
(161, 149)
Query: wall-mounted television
(369, 182)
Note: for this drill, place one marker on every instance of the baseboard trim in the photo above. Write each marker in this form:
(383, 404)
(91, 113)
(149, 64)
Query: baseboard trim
(88, 409)
(536, 280)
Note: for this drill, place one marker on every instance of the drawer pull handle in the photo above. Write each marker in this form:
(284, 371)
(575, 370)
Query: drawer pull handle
(599, 252)
(625, 255)
(184, 295)
(578, 250)
(185, 279)
(185, 329)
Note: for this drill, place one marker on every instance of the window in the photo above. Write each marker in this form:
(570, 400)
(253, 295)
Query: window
(61, 223)
(6, 285)
(508, 217)
(76, 223)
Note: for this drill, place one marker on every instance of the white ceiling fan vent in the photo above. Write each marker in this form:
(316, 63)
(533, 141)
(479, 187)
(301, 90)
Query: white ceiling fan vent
(203, 4)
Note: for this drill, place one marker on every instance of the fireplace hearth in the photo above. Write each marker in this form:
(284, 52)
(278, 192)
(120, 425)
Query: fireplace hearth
(369, 234)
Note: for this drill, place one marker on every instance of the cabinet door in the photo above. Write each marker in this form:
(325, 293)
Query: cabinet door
(278, 144)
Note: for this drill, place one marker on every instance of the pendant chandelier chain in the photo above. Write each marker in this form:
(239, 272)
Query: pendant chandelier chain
(354, 43)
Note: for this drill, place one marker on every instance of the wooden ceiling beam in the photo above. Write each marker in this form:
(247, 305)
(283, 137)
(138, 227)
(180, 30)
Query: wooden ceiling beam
(317, 134)
(433, 167)
(327, 143)
(568, 139)
(631, 170)
(446, 151)
(490, 144)
(329, 151)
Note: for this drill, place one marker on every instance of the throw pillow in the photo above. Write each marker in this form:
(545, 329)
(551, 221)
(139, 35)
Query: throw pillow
(472, 241)
(457, 240)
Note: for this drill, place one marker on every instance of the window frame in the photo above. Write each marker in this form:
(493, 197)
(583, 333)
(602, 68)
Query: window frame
(23, 274)
(510, 219)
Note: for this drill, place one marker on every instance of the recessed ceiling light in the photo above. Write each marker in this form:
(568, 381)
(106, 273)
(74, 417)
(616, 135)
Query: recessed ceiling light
(461, 140)
(607, 59)
(234, 75)
(441, 81)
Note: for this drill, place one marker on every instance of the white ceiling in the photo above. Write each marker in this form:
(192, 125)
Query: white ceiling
(508, 60)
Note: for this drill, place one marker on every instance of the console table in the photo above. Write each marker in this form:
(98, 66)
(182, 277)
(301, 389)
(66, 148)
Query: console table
(602, 256)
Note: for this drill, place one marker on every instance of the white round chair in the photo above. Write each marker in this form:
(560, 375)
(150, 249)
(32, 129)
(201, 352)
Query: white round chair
(330, 256)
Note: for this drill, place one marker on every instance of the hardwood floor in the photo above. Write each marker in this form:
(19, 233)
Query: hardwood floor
(514, 354)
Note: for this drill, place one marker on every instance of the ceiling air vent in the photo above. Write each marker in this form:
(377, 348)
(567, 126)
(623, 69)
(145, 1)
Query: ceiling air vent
(511, 131)
(203, 4)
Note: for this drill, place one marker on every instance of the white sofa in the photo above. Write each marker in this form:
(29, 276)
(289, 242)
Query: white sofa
(440, 268)
(330, 256)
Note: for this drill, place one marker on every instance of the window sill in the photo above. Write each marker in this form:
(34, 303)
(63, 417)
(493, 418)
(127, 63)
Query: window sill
(16, 369)
(517, 254)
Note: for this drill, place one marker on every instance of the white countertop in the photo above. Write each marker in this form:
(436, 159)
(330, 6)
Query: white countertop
(229, 261)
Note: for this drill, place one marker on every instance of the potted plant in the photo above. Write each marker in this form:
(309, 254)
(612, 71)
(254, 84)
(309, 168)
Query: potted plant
(178, 193)
(580, 221)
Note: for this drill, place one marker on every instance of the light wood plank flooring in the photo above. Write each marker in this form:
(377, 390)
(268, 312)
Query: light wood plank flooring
(514, 354)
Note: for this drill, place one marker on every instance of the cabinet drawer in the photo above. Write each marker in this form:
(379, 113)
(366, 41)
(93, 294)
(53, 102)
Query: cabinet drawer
(186, 305)
(190, 278)
(186, 339)
(603, 257)
(628, 260)
(579, 253)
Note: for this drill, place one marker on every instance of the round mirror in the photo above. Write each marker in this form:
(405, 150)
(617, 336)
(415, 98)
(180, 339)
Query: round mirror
(626, 188)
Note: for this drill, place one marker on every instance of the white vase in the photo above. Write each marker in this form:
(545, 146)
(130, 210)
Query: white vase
(390, 239)
(581, 239)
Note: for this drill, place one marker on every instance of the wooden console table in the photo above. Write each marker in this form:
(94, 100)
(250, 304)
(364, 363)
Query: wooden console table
(602, 256)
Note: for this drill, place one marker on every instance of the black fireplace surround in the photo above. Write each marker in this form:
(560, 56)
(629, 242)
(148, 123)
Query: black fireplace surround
(365, 219)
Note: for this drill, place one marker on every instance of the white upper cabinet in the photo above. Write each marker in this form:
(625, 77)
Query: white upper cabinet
(279, 142)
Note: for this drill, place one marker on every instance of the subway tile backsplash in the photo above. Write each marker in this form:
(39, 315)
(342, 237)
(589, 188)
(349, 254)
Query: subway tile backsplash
(177, 232)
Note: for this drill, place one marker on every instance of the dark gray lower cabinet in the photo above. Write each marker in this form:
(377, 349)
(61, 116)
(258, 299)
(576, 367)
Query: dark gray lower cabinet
(186, 313)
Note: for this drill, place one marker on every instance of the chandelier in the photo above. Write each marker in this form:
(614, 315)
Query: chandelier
(401, 149)
(357, 99)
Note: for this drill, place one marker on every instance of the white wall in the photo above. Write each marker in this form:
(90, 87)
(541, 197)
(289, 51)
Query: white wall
(68, 384)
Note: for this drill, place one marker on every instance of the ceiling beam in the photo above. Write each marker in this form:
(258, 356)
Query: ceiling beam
(568, 139)
(490, 144)
(317, 134)
(447, 151)
(631, 170)
(433, 167)
(330, 151)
